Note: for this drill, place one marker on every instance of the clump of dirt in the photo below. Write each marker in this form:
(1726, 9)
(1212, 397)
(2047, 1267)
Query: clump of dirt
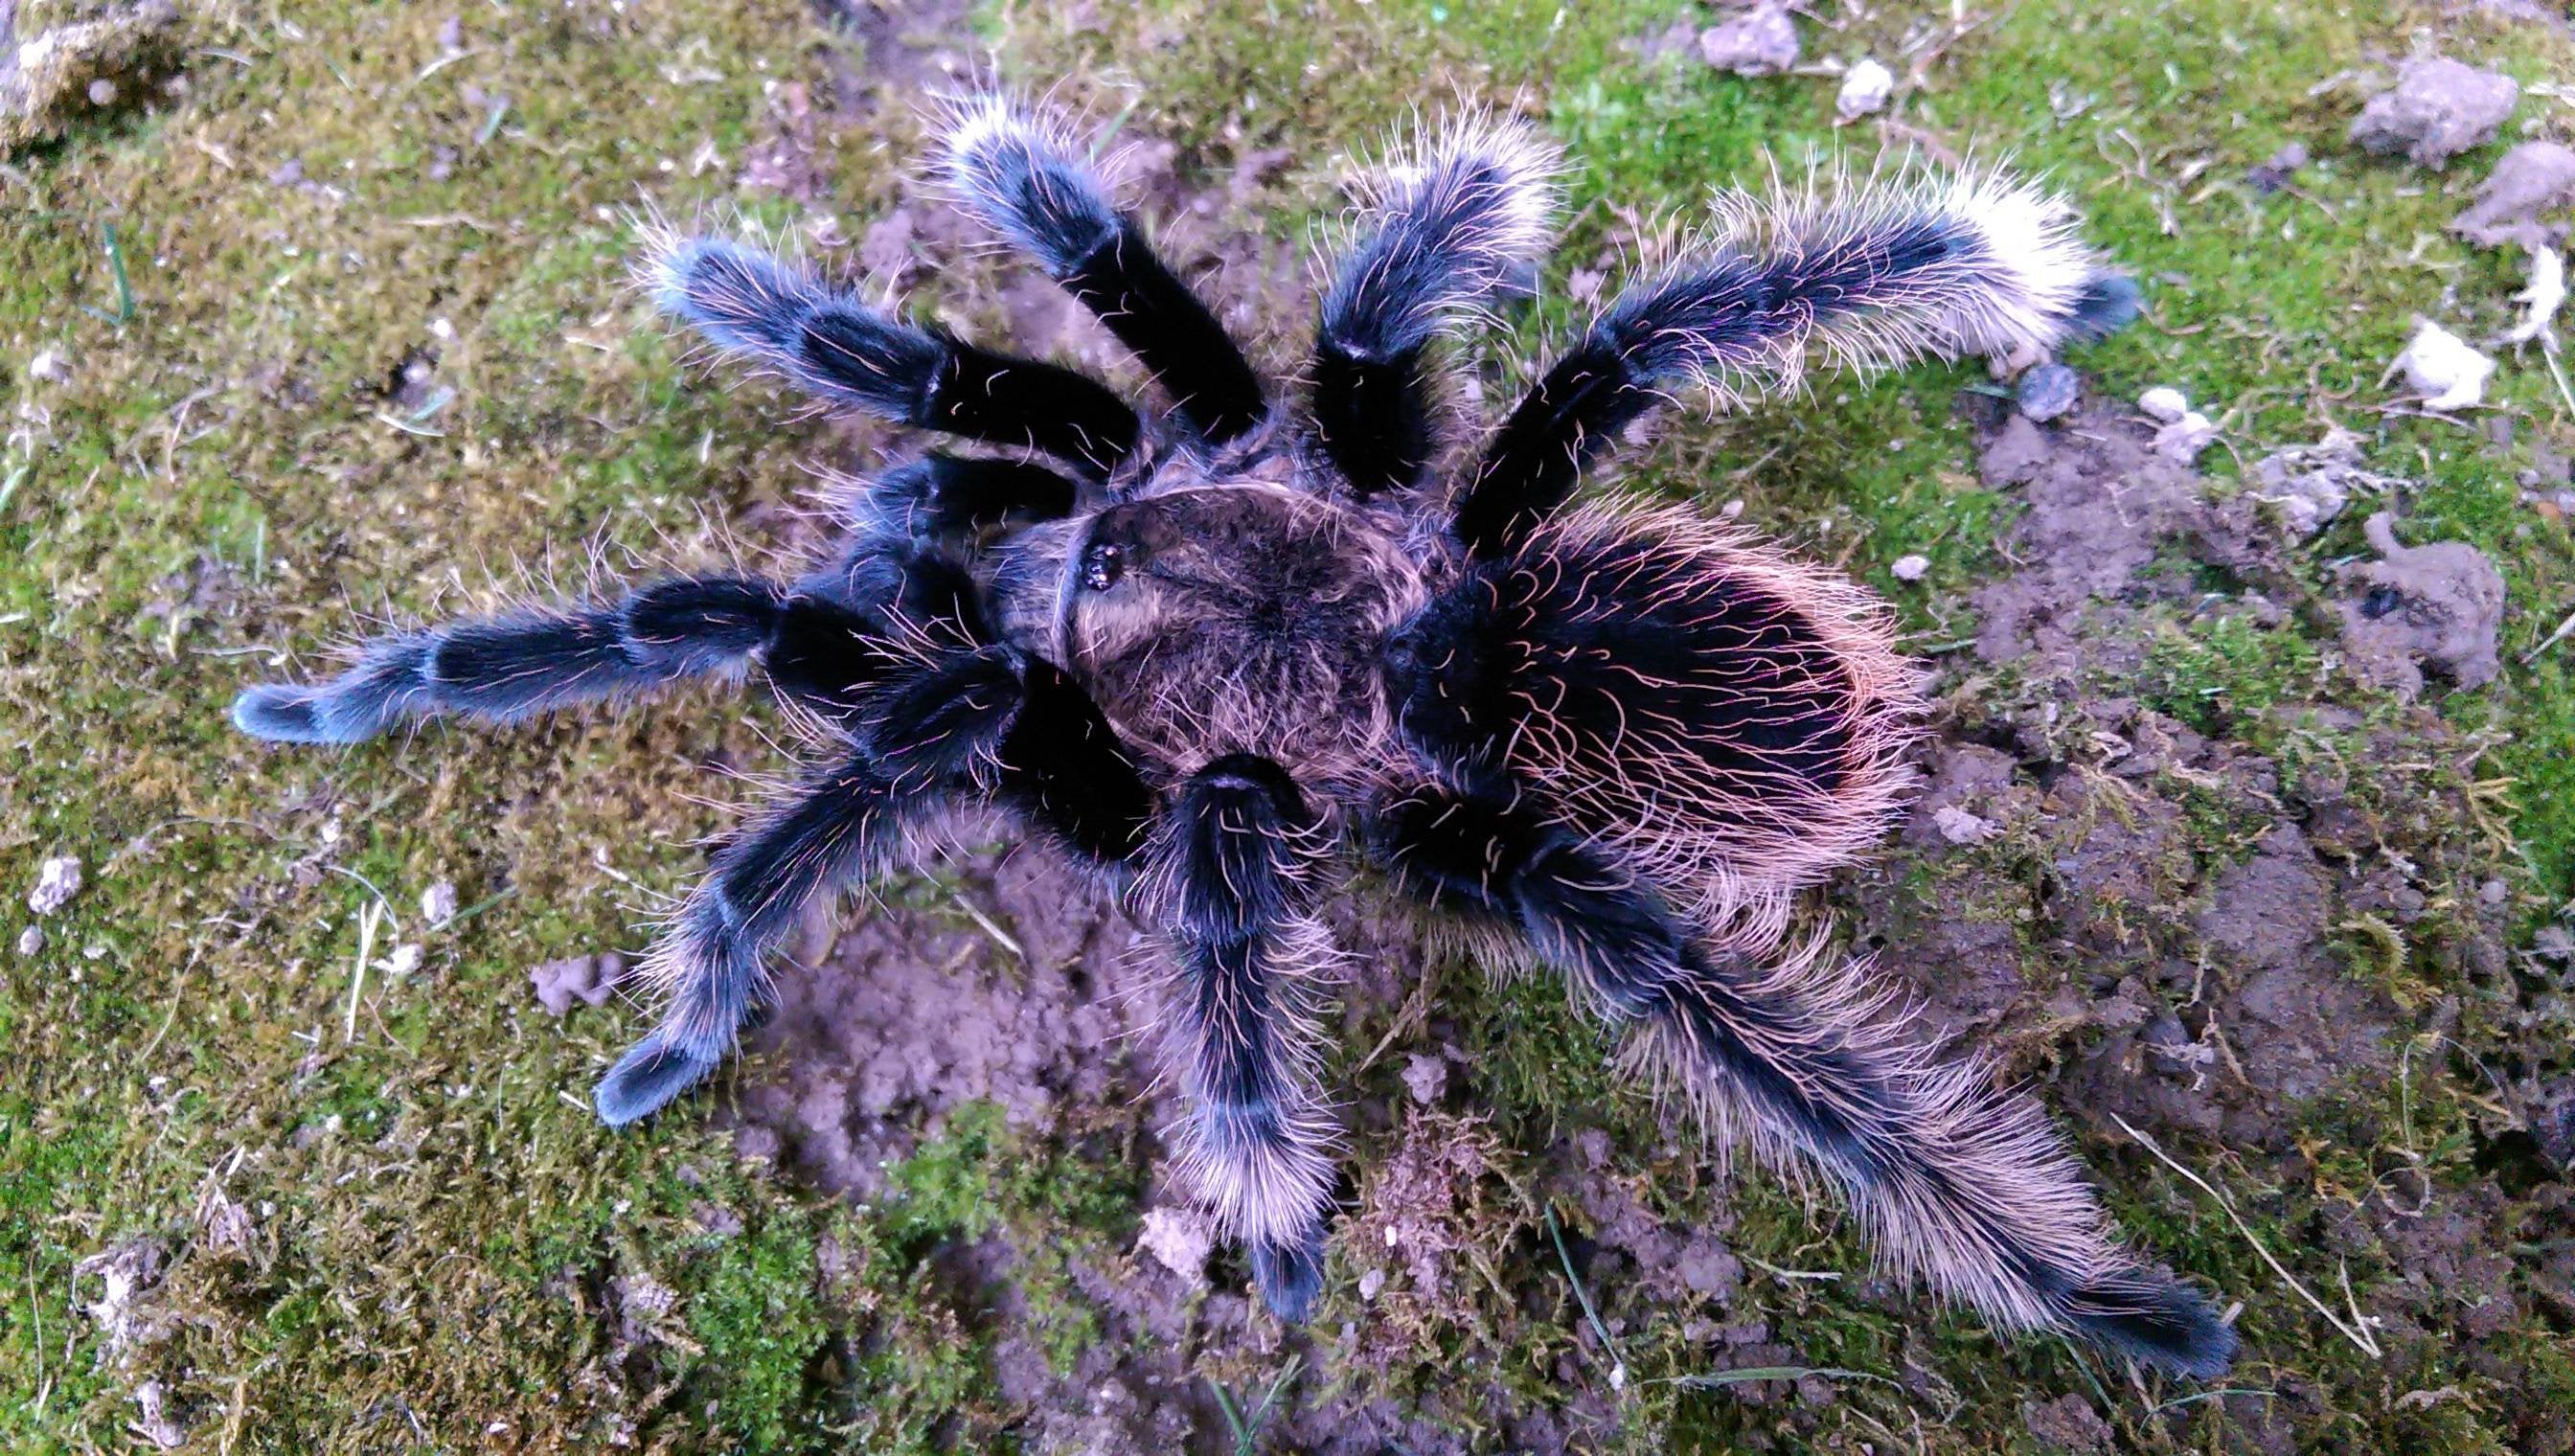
(2437, 109)
(2533, 178)
(1026, 989)
(2310, 483)
(1762, 41)
(2101, 502)
(589, 979)
(2435, 607)
(2185, 978)
(2068, 1423)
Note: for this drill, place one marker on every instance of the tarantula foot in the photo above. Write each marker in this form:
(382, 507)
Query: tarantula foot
(1289, 1275)
(2109, 303)
(647, 1078)
(283, 714)
(2157, 1321)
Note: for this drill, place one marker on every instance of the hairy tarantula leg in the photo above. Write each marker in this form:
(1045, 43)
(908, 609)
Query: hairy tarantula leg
(1454, 216)
(827, 343)
(1021, 175)
(1958, 1184)
(940, 496)
(509, 667)
(1875, 273)
(990, 723)
(1232, 874)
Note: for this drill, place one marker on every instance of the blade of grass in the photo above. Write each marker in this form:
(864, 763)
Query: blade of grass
(1617, 1361)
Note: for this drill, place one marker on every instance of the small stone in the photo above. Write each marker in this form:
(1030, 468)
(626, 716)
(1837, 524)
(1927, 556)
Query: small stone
(2181, 441)
(31, 940)
(57, 881)
(2164, 404)
(404, 961)
(1911, 566)
(1866, 88)
(102, 92)
(1760, 42)
(2048, 392)
(1427, 1077)
(438, 904)
(1372, 1284)
(48, 366)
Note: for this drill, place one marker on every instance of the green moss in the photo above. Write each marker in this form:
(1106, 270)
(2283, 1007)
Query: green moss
(752, 1306)
(2226, 674)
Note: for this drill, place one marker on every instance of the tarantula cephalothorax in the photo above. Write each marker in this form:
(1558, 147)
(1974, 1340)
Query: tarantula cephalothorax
(1210, 654)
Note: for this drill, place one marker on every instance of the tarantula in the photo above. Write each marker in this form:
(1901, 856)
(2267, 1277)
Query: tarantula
(1215, 653)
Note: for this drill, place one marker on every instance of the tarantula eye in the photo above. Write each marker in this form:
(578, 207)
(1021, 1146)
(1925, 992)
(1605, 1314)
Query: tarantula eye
(1103, 565)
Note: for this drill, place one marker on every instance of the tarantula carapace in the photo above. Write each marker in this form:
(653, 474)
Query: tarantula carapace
(1215, 655)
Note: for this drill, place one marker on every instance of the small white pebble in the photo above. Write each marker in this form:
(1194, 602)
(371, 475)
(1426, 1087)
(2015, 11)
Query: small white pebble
(1911, 568)
(31, 939)
(438, 904)
(102, 92)
(2445, 369)
(48, 366)
(1372, 1283)
(404, 961)
(1865, 86)
(2164, 403)
(57, 881)
(442, 328)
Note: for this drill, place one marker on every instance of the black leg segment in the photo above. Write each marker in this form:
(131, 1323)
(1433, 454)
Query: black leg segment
(943, 496)
(830, 344)
(1021, 175)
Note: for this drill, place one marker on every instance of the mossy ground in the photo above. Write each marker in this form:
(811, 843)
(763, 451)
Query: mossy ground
(389, 1220)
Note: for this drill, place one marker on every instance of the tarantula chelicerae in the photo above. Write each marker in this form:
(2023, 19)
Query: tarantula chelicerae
(1206, 653)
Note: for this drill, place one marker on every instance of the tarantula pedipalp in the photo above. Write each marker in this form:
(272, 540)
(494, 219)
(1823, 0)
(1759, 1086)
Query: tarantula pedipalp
(1211, 656)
